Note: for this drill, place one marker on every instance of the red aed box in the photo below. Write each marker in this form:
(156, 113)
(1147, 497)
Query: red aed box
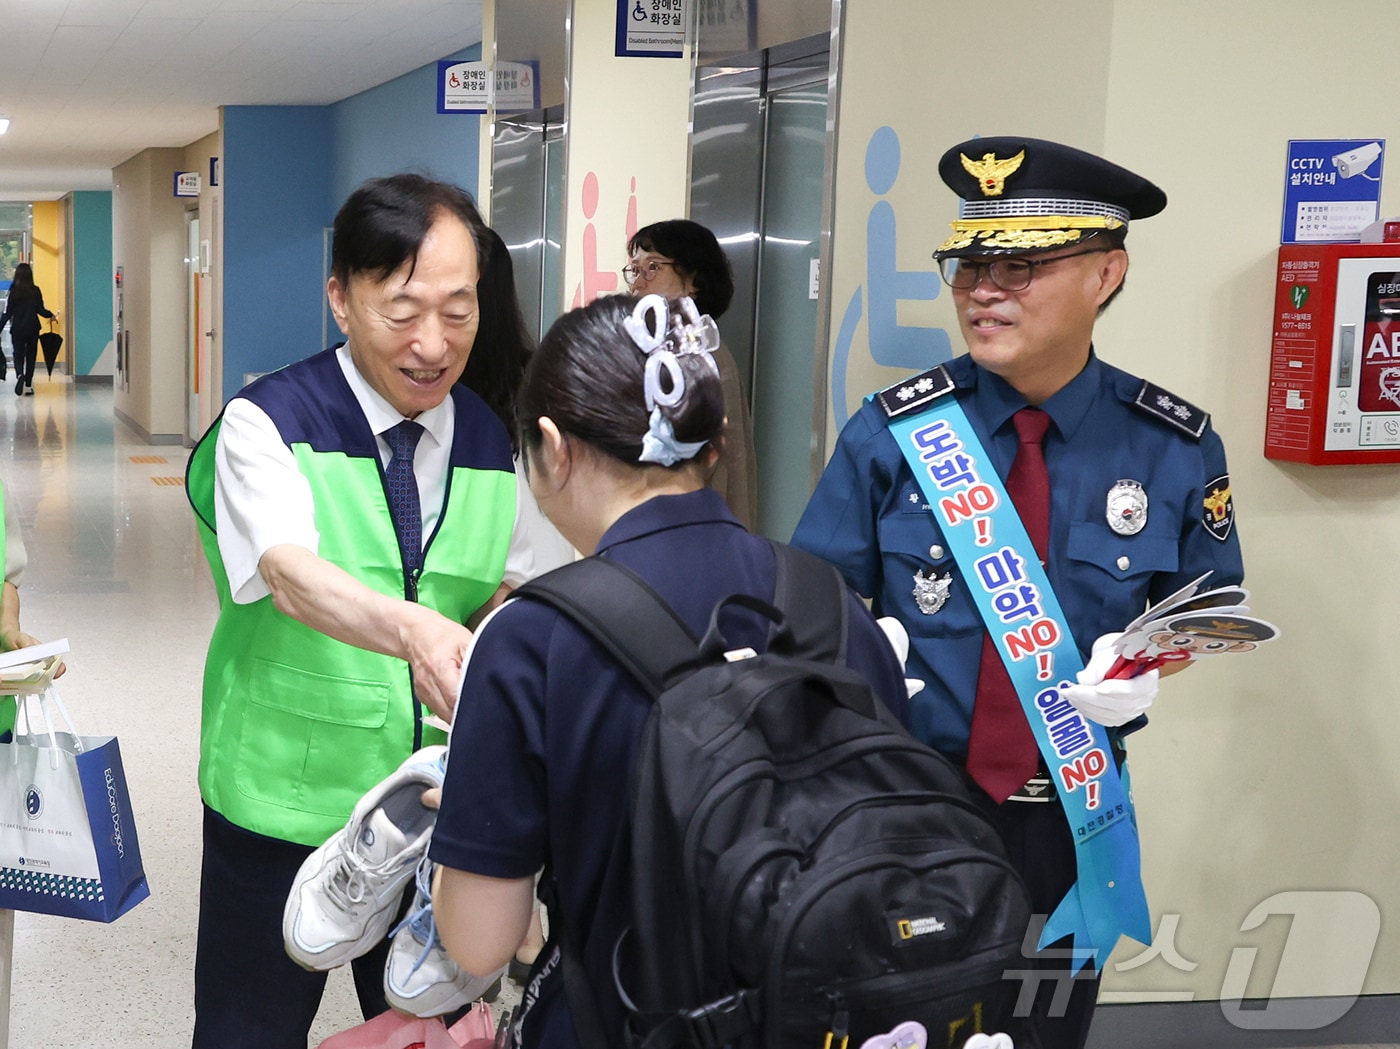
(1334, 378)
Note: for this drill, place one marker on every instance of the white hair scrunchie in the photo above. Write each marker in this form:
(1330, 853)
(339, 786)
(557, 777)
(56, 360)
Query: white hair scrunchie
(665, 337)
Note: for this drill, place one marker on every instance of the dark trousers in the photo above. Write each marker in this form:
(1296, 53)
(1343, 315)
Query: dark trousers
(26, 347)
(247, 993)
(1040, 846)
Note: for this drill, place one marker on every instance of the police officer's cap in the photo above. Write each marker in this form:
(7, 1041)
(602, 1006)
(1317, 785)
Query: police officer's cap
(1025, 194)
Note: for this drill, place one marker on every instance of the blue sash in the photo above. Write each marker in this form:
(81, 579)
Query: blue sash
(1012, 592)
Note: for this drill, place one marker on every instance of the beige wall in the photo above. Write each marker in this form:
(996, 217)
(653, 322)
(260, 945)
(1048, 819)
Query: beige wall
(627, 150)
(148, 241)
(1266, 773)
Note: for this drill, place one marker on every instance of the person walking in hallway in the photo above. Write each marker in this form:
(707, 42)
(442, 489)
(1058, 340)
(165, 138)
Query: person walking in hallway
(23, 309)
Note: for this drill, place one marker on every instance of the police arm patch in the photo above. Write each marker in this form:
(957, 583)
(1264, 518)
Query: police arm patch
(1219, 513)
(1170, 408)
(911, 394)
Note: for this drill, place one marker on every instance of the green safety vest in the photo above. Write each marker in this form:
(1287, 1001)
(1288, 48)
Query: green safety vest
(297, 726)
(7, 703)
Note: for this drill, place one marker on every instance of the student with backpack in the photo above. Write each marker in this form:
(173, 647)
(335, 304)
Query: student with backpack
(621, 415)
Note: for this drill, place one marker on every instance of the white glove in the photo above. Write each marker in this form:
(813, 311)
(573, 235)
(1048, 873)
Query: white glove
(989, 1041)
(898, 638)
(1114, 702)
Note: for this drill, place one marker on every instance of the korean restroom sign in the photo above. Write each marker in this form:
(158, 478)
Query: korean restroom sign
(651, 28)
(1332, 188)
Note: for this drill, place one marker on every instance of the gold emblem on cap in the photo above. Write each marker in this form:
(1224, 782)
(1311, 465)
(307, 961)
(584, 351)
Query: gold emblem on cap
(991, 174)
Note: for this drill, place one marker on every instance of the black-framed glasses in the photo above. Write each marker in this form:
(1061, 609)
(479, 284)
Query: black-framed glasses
(647, 271)
(1009, 274)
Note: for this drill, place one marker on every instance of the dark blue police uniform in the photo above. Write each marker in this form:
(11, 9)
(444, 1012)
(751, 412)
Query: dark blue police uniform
(869, 518)
(543, 740)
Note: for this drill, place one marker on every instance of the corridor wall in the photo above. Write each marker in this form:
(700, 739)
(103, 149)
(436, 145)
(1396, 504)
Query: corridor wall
(90, 327)
(1260, 887)
(286, 171)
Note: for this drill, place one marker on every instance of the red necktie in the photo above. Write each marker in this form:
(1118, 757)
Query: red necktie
(1001, 750)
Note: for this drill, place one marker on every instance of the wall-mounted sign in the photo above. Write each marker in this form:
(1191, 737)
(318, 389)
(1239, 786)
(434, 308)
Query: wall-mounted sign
(215, 164)
(187, 183)
(1331, 189)
(517, 86)
(651, 28)
(464, 87)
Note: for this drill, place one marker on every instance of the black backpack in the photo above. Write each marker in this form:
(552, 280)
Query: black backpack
(801, 865)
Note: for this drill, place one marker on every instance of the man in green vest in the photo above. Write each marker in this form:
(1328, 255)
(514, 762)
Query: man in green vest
(358, 510)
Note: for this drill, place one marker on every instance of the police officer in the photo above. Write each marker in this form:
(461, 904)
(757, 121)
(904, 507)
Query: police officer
(1131, 469)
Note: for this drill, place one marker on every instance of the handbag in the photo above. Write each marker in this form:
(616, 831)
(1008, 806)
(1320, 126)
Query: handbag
(68, 842)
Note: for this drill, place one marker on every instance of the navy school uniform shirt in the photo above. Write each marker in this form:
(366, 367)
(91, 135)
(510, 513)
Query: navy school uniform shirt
(868, 517)
(542, 744)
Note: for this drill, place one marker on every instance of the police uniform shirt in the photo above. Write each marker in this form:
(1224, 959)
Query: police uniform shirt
(869, 518)
(542, 744)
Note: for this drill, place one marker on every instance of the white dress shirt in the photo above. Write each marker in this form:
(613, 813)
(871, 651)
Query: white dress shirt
(262, 500)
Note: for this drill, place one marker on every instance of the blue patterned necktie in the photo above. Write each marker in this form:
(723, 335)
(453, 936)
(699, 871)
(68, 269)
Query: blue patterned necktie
(401, 486)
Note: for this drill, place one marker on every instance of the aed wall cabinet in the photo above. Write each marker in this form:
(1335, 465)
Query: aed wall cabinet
(1334, 377)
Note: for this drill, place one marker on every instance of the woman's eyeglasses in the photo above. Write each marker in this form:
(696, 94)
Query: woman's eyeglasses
(632, 272)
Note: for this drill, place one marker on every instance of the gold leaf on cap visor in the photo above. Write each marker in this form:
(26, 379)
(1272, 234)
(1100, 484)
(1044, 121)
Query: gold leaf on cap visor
(1025, 232)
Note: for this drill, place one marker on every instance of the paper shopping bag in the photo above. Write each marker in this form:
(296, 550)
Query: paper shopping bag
(393, 1030)
(67, 838)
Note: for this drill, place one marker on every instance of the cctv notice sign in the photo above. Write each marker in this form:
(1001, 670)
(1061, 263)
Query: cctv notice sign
(1332, 188)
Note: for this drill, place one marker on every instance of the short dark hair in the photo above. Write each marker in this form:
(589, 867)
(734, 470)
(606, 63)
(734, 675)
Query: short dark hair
(588, 376)
(697, 254)
(503, 344)
(383, 223)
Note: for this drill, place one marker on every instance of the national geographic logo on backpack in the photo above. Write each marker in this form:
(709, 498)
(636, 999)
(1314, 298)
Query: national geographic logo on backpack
(910, 930)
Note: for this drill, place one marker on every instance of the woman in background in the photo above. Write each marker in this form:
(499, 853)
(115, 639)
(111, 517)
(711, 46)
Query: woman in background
(23, 309)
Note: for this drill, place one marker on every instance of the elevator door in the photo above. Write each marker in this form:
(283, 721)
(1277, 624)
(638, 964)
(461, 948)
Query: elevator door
(758, 168)
(527, 208)
(785, 361)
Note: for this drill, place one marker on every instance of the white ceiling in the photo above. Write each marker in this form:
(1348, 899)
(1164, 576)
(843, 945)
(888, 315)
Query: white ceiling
(87, 84)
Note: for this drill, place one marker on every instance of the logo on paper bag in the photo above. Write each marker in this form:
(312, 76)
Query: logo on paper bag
(116, 814)
(33, 802)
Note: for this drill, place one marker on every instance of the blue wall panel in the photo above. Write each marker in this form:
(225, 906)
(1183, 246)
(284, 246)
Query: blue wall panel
(277, 174)
(396, 127)
(92, 278)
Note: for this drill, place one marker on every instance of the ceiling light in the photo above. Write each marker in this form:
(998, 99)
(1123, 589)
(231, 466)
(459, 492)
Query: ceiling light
(4, 125)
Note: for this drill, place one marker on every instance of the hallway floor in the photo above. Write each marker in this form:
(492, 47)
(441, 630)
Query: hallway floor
(115, 566)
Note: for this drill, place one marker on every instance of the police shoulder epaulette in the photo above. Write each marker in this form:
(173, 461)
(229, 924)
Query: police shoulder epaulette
(1170, 408)
(917, 391)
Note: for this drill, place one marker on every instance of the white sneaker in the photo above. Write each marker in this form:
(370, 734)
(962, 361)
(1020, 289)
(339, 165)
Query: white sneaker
(346, 893)
(420, 978)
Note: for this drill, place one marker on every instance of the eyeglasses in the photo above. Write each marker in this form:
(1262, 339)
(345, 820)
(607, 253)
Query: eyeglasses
(632, 273)
(1010, 274)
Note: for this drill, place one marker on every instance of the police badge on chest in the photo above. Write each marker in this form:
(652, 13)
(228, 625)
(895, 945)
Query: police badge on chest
(1126, 508)
(931, 591)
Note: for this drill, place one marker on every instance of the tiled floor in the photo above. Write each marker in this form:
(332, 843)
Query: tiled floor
(115, 567)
